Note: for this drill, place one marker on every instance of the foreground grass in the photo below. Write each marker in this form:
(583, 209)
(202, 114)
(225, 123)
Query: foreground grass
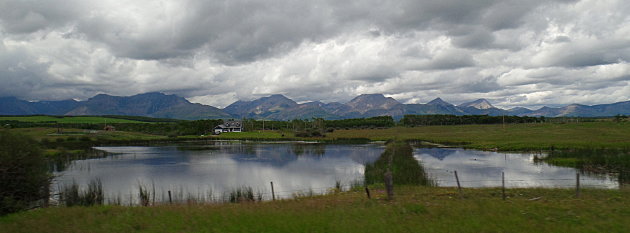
(509, 137)
(415, 209)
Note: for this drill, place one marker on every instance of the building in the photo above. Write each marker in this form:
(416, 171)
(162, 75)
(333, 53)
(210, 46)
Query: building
(229, 126)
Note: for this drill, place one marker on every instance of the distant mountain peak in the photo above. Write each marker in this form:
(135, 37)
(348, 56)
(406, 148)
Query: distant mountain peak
(367, 102)
(478, 104)
(439, 101)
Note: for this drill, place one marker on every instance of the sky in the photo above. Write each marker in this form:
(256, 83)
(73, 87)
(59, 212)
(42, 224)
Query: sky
(526, 53)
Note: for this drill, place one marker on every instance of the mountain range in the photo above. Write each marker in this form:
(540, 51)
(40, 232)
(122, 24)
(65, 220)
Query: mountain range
(279, 107)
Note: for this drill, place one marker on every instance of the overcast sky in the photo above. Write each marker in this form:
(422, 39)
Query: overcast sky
(511, 52)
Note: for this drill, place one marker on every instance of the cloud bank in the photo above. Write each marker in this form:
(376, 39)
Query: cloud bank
(514, 53)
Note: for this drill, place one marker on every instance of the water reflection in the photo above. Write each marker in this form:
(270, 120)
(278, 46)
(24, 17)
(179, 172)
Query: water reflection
(483, 169)
(222, 166)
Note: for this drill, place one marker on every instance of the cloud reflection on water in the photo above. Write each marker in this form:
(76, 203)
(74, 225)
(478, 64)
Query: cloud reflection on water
(483, 169)
(293, 168)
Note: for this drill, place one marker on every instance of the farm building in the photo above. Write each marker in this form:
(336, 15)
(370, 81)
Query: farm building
(229, 126)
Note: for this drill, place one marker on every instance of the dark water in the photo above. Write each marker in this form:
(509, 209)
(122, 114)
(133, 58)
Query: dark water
(203, 171)
(483, 169)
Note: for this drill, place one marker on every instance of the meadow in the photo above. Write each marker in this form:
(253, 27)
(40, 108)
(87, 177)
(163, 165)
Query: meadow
(509, 137)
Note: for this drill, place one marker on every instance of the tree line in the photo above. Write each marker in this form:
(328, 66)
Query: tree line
(420, 120)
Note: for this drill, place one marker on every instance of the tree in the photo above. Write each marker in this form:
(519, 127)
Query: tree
(24, 176)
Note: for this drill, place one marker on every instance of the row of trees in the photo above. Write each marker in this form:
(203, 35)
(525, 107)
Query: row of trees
(318, 123)
(419, 120)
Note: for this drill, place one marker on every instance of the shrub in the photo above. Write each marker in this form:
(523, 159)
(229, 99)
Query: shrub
(24, 177)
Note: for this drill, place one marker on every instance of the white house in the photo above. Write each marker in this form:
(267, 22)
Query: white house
(229, 126)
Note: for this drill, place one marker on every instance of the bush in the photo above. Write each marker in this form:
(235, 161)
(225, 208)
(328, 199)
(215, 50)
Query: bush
(24, 177)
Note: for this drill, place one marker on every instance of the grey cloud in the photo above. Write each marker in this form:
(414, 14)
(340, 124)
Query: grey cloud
(244, 31)
(451, 60)
(31, 16)
(219, 51)
(580, 54)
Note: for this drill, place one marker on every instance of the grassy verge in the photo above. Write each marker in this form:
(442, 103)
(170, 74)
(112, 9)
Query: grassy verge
(414, 209)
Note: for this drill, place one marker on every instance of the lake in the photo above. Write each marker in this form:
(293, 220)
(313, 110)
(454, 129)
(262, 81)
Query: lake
(212, 170)
(209, 171)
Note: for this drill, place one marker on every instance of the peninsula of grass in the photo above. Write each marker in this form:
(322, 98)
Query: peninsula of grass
(414, 209)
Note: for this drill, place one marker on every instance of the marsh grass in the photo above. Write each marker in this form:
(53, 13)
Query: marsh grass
(241, 194)
(144, 195)
(72, 195)
(593, 160)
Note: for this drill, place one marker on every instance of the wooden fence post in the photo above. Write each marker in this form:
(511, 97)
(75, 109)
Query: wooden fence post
(273, 194)
(503, 184)
(459, 187)
(577, 184)
(389, 185)
(170, 199)
(367, 191)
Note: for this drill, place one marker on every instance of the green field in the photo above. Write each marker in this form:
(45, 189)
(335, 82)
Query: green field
(509, 137)
(414, 209)
(68, 119)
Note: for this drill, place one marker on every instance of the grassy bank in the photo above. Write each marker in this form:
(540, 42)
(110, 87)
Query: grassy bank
(415, 209)
(509, 137)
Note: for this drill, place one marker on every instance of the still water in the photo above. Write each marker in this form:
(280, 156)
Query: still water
(210, 171)
(216, 168)
(484, 168)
